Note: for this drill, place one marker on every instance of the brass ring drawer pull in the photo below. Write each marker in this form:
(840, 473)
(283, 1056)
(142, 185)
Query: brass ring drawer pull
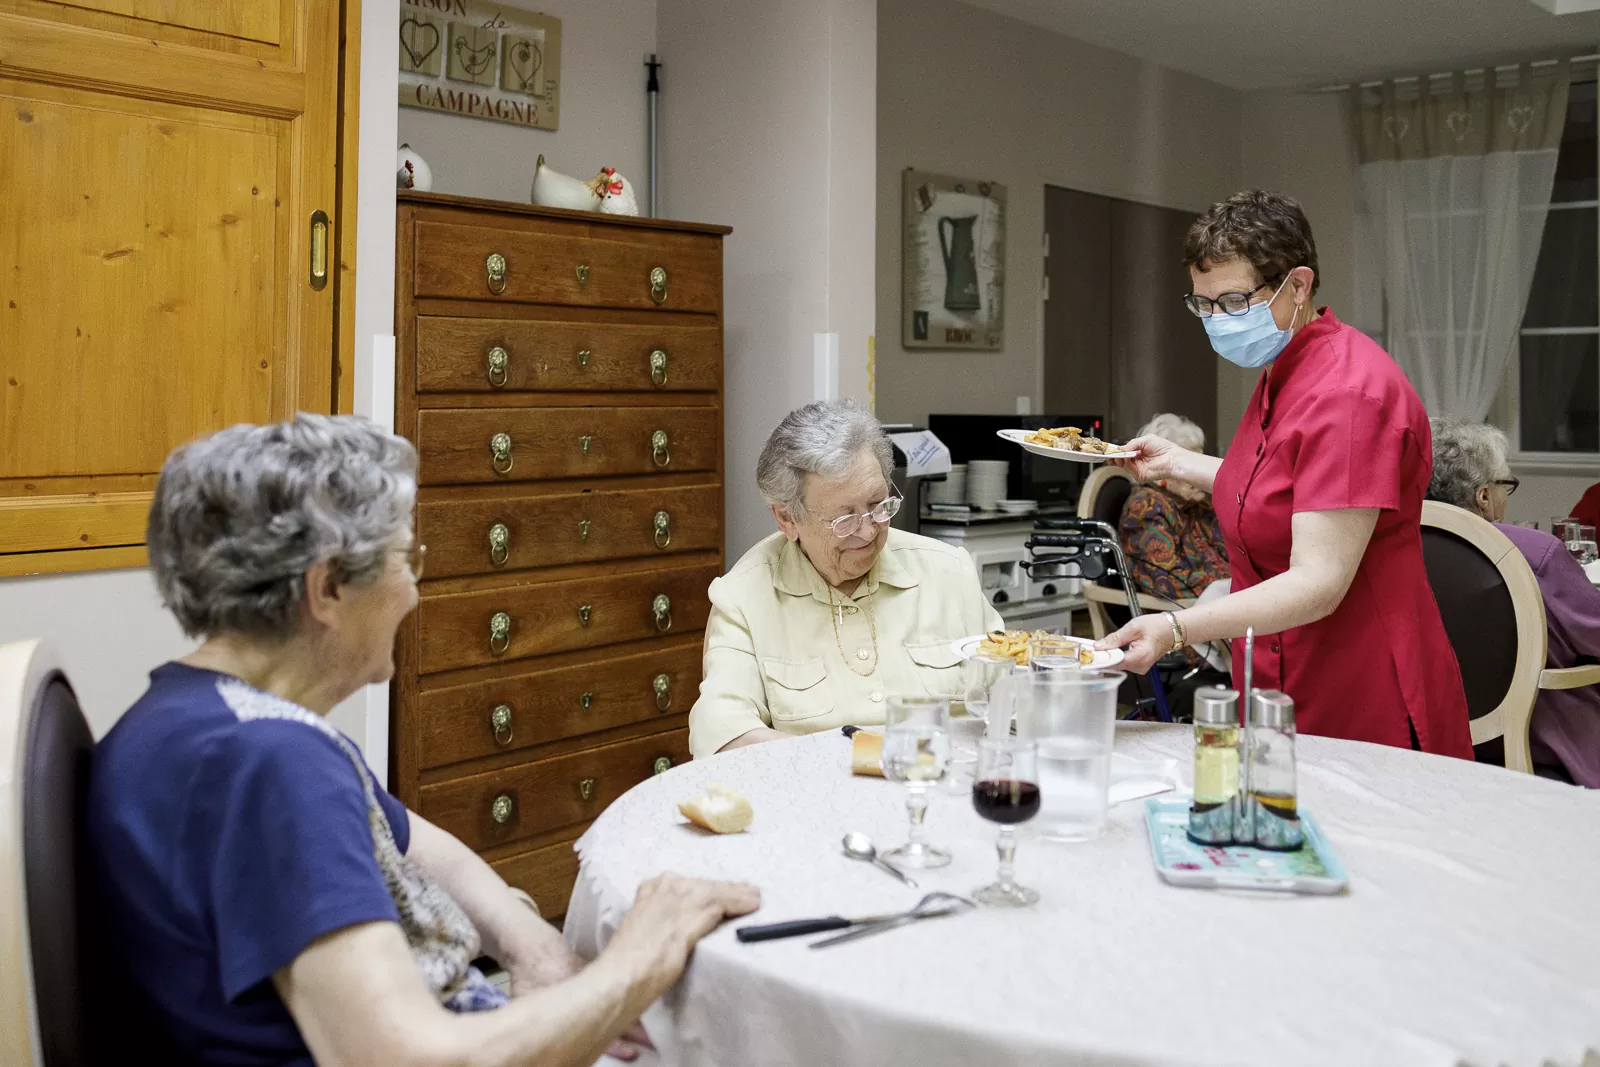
(585, 613)
(584, 355)
(662, 765)
(660, 450)
(662, 684)
(586, 701)
(499, 632)
(584, 525)
(499, 544)
(586, 787)
(500, 811)
(495, 269)
(658, 367)
(499, 363)
(500, 720)
(663, 528)
(500, 453)
(583, 274)
(661, 607)
(585, 442)
(658, 285)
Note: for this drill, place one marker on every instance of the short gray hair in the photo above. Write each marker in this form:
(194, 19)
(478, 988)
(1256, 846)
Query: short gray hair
(240, 515)
(1466, 455)
(1185, 433)
(825, 439)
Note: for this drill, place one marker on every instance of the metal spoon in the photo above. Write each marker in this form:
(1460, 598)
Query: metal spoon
(858, 846)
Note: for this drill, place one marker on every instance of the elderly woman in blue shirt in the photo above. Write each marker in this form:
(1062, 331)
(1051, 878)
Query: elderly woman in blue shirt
(269, 902)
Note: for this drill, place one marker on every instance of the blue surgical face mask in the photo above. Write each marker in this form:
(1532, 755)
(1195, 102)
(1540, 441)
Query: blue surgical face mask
(1252, 339)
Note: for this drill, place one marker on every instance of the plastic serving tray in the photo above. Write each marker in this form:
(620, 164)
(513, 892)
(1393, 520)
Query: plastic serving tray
(1313, 869)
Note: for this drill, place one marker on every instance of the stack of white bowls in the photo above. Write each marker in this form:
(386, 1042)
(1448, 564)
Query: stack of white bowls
(953, 490)
(986, 482)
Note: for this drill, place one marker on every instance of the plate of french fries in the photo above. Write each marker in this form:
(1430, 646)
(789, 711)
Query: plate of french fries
(1066, 442)
(1014, 643)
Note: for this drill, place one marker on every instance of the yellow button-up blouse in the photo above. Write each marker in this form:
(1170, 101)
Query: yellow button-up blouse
(777, 654)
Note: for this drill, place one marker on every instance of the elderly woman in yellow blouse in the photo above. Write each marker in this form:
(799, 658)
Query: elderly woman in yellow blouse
(818, 624)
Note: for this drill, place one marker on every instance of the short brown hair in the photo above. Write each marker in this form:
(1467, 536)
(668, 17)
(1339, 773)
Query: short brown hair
(1266, 230)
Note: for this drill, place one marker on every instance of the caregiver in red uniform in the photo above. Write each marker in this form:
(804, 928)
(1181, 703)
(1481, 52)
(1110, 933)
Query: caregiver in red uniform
(1319, 497)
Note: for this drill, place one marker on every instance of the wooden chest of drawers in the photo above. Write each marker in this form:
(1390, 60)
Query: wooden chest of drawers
(560, 374)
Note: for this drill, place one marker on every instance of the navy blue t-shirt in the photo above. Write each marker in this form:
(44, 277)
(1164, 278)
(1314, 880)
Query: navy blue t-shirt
(223, 845)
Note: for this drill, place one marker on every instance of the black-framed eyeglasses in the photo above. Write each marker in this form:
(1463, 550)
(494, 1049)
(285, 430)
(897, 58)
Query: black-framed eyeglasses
(1511, 484)
(850, 525)
(1203, 307)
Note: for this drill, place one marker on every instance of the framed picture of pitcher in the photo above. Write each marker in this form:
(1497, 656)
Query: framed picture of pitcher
(954, 262)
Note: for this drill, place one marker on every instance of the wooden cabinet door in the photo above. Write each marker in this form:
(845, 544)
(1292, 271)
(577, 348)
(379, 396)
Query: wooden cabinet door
(160, 163)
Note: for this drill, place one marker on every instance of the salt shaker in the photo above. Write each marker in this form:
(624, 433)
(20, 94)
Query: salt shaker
(1216, 766)
(1273, 802)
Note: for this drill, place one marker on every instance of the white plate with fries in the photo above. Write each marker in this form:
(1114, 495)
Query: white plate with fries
(1058, 443)
(1014, 643)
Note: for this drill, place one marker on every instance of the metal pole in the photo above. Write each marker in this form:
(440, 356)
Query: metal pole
(653, 95)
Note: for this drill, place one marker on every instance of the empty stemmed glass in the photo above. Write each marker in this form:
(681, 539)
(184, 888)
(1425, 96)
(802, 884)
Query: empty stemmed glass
(1006, 792)
(916, 748)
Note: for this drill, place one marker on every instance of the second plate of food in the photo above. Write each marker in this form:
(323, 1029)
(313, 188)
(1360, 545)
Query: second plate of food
(1014, 643)
(1060, 444)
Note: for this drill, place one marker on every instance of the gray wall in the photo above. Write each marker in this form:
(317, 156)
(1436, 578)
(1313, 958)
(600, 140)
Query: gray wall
(966, 92)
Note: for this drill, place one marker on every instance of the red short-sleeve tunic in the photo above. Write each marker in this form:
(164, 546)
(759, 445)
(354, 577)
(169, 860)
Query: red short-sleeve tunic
(1335, 424)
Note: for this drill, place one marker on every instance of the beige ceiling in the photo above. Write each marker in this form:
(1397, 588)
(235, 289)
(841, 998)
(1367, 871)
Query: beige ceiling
(1272, 44)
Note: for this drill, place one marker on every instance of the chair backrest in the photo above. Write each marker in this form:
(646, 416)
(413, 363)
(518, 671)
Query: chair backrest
(45, 747)
(1494, 615)
(1104, 494)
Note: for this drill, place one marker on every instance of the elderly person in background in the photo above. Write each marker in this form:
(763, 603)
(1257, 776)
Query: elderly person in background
(1471, 472)
(1169, 530)
(267, 901)
(818, 624)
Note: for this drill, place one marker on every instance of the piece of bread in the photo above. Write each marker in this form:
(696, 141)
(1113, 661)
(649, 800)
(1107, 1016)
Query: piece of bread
(718, 809)
(866, 753)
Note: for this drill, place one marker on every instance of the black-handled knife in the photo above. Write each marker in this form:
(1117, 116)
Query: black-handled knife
(796, 928)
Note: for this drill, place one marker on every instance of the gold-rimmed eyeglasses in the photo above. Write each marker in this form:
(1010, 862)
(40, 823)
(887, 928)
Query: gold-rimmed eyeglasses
(850, 525)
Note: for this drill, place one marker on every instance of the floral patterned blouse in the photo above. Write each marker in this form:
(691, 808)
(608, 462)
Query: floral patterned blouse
(1174, 546)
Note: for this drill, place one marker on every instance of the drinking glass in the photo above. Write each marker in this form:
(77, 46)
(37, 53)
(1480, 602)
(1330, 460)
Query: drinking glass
(979, 676)
(916, 748)
(1072, 715)
(1558, 527)
(1527, 525)
(1006, 792)
(1587, 551)
(1053, 652)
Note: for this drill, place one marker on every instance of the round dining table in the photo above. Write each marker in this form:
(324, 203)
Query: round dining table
(1469, 932)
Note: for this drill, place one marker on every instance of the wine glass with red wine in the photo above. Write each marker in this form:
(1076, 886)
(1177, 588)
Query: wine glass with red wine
(1006, 791)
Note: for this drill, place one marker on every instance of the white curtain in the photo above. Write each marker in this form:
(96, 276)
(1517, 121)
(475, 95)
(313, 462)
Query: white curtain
(1454, 180)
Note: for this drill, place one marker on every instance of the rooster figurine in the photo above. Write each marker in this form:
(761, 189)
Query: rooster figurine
(607, 192)
(616, 194)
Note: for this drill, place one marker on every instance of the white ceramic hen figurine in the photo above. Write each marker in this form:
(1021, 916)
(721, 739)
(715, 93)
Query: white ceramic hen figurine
(553, 189)
(616, 194)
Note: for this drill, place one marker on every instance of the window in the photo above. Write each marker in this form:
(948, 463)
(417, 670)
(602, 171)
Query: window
(1557, 377)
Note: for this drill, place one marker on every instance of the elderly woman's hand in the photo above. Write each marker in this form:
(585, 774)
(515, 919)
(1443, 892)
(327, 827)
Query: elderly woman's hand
(1147, 638)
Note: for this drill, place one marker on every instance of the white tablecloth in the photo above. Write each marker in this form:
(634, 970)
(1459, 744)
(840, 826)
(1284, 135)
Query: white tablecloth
(1470, 933)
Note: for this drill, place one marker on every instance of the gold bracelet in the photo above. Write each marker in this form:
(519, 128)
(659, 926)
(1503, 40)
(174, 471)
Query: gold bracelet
(1179, 638)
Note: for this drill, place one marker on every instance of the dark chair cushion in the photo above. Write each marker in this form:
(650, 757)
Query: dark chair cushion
(55, 779)
(1478, 616)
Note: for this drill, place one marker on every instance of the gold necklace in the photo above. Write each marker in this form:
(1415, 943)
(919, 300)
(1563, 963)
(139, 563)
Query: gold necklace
(834, 612)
